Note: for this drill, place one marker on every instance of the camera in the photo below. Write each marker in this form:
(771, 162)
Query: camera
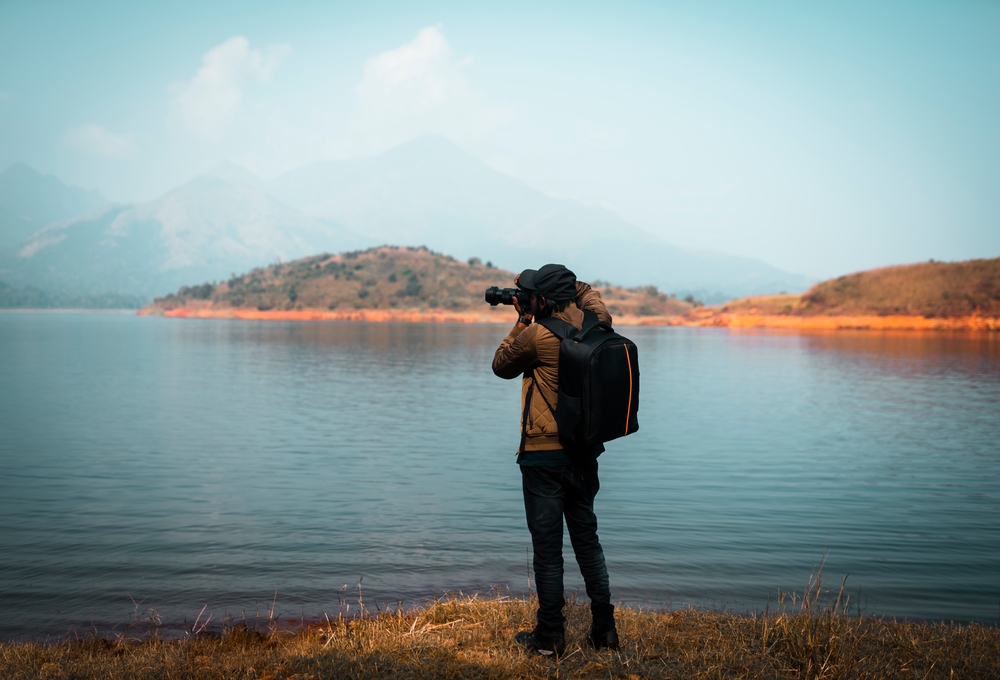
(496, 295)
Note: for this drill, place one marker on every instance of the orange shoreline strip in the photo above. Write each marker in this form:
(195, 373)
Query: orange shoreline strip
(895, 322)
(369, 315)
(702, 319)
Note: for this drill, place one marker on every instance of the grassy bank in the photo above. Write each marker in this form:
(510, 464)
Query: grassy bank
(472, 637)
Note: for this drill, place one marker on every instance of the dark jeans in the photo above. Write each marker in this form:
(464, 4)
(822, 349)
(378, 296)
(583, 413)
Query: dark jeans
(550, 493)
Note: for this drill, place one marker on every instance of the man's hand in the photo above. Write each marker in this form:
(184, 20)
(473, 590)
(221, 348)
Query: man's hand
(517, 306)
(521, 314)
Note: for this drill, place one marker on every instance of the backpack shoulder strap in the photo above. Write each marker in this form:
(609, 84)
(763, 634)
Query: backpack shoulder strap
(559, 328)
(564, 329)
(590, 322)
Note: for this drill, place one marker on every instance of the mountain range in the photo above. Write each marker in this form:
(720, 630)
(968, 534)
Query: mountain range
(204, 230)
(430, 192)
(427, 192)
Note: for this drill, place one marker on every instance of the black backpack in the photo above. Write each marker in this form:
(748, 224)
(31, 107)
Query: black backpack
(598, 382)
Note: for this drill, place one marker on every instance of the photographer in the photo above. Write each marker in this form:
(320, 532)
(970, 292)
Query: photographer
(557, 482)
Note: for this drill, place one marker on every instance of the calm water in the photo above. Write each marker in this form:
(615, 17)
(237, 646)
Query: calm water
(189, 463)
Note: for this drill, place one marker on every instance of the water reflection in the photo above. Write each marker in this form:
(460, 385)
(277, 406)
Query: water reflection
(194, 462)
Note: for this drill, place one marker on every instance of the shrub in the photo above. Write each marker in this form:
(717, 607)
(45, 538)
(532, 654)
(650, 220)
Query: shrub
(413, 286)
(202, 292)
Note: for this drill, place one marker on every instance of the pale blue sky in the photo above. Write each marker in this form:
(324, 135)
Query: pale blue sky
(820, 137)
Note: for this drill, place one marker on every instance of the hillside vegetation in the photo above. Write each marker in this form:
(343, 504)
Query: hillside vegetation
(929, 289)
(388, 277)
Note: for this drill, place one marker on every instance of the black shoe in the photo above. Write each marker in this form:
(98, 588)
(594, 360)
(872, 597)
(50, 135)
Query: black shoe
(545, 647)
(607, 639)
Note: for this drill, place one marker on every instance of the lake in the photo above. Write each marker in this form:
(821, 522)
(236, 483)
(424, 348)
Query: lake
(161, 466)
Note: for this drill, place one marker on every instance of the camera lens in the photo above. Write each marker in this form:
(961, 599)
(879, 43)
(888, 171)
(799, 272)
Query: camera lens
(495, 295)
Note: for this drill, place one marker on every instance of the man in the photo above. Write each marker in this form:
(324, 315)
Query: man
(557, 482)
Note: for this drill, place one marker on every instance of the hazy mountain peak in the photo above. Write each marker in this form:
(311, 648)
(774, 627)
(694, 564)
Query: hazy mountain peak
(30, 200)
(426, 146)
(19, 170)
(203, 230)
(431, 192)
(21, 177)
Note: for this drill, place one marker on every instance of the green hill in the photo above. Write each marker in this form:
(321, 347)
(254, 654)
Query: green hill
(387, 277)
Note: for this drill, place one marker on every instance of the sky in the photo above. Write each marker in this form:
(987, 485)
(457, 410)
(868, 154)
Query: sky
(820, 137)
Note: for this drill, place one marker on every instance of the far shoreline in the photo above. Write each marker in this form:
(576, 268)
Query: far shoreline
(65, 310)
(704, 317)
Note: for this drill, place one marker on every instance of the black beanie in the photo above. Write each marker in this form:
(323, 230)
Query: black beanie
(553, 281)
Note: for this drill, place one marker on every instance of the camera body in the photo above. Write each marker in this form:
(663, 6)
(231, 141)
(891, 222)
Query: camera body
(495, 295)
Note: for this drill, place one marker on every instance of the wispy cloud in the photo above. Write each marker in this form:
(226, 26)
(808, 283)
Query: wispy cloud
(211, 100)
(97, 140)
(7, 97)
(414, 89)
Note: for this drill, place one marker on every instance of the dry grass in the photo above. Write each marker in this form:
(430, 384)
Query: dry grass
(472, 637)
(929, 289)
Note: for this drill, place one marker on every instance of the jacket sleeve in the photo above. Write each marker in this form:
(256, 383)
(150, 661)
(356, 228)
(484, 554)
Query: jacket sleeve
(517, 353)
(588, 299)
